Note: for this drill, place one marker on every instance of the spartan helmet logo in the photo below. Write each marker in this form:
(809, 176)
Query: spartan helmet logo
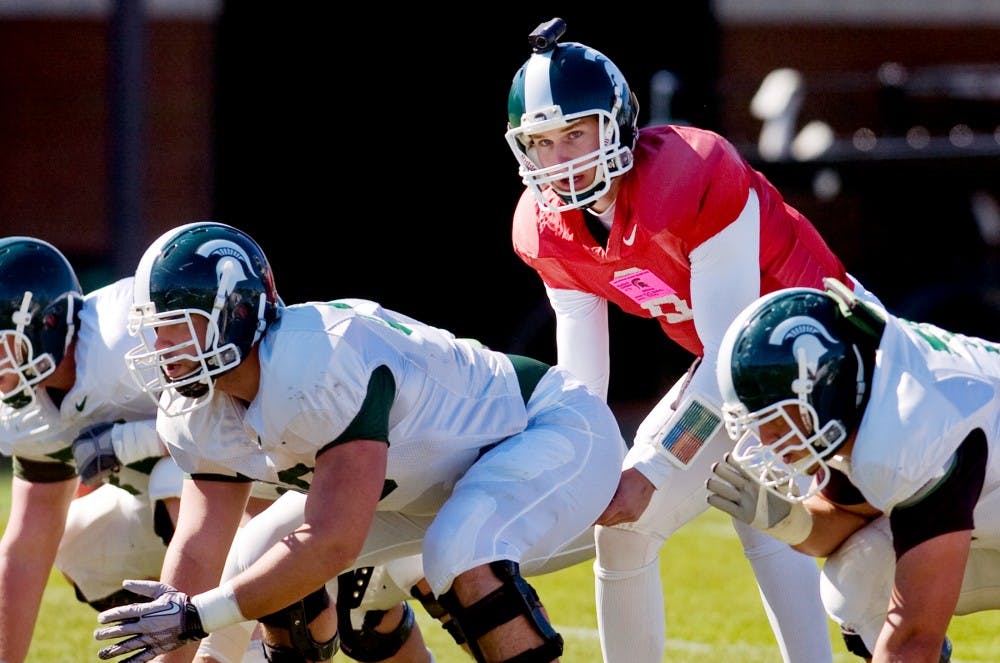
(809, 341)
(232, 265)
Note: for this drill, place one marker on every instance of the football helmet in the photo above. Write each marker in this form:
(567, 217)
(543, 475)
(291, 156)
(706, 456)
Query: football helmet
(208, 270)
(793, 356)
(40, 300)
(559, 84)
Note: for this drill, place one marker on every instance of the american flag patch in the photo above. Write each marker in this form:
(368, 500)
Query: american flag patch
(695, 426)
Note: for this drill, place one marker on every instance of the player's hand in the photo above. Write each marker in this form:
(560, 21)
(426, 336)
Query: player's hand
(630, 500)
(165, 623)
(734, 491)
(94, 454)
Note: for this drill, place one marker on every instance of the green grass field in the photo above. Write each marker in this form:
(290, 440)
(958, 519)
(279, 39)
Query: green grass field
(713, 610)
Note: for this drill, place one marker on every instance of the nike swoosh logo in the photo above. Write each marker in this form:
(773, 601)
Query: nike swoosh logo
(631, 237)
(82, 404)
(169, 609)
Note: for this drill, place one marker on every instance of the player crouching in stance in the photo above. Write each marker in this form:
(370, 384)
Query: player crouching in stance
(393, 437)
(71, 418)
(872, 441)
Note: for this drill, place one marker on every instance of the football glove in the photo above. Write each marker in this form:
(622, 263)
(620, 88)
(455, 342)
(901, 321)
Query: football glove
(732, 490)
(163, 624)
(94, 454)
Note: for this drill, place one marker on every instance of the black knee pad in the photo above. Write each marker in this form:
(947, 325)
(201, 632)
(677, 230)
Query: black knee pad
(276, 654)
(368, 645)
(163, 524)
(112, 600)
(514, 598)
(855, 644)
(295, 619)
(437, 611)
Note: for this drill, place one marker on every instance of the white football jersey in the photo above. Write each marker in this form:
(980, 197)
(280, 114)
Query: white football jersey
(103, 389)
(930, 389)
(452, 399)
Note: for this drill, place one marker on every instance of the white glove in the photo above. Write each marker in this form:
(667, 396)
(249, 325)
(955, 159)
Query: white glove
(732, 490)
(163, 624)
(94, 454)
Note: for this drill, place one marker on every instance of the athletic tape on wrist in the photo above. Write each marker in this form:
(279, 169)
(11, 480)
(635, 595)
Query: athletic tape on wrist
(795, 527)
(218, 608)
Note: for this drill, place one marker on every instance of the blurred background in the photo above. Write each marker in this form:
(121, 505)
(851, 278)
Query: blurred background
(364, 149)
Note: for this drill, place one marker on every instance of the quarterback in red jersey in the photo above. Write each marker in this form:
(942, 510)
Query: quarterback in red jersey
(672, 224)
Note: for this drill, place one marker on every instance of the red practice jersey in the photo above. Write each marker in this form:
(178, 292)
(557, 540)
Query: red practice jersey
(686, 185)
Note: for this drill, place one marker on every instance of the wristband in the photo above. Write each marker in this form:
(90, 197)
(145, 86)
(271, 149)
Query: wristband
(218, 608)
(794, 528)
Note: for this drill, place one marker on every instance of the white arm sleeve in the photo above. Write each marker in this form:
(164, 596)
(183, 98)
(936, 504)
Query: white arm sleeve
(582, 336)
(135, 440)
(725, 277)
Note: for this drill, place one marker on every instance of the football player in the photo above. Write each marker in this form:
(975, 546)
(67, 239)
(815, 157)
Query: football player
(70, 411)
(667, 223)
(872, 441)
(392, 437)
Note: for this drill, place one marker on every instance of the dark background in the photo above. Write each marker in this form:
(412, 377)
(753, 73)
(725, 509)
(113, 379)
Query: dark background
(369, 157)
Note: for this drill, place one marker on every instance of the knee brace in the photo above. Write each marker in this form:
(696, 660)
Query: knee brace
(295, 619)
(437, 611)
(515, 597)
(368, 645)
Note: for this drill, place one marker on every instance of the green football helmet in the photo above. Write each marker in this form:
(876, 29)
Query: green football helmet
(559, 84)
(40, 300)
(793, 351)
(205, 269)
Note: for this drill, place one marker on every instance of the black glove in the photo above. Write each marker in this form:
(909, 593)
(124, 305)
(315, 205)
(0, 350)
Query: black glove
(94, 454)
(163, 624)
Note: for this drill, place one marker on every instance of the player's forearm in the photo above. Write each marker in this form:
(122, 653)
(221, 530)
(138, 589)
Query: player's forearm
(15, 634)
(296, 566)
(897, 642)
(194, 564)
(831, 526)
